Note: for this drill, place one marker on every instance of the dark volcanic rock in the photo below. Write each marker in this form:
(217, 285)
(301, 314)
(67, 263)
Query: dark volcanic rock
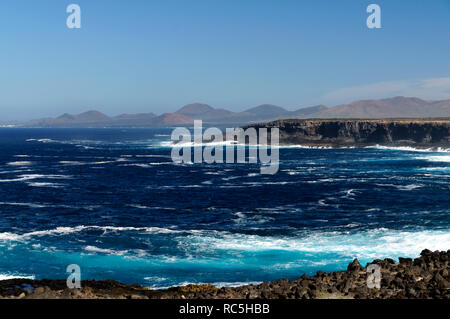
(344, 133)
(354, 266)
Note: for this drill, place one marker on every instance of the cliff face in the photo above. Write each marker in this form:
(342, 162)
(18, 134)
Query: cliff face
(341, 133)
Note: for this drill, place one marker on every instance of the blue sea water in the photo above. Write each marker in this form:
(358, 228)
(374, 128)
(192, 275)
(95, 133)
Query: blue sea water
(113, 202)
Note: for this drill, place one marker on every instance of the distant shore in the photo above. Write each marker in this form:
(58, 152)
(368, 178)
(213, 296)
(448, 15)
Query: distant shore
(422, 278)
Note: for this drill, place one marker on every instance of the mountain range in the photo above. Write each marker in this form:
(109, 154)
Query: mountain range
(396, 107)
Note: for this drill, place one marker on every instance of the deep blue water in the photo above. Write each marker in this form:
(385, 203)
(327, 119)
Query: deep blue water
(113, 202)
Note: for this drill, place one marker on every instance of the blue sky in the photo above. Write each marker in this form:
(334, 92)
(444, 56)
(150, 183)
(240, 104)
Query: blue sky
(155, 56)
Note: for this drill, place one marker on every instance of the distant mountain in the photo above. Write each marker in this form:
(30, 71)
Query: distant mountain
(135, 116)
(267, 111)
(69, 120)
(204, 112)
(171, 119)
(211, 115)
(307, 111)
(133, 120)
(92, 116)
(184, 116)
(396, 107)
(195, 109)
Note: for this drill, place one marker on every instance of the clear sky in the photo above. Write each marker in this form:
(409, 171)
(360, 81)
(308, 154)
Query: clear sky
(155, 56)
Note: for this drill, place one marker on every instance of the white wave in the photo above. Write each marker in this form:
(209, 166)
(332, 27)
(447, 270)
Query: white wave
(101, 163)
(86, 147)
(322, 203)
(41, 205)
(151, 207)
(308, 147)
(9, 237)
(20, 170)
(437, 158)
(189, 186)
(72, 163)
(349, 193)
(19, 179)
(194, 144)
(41, 140)
(52, 185)
(402, 187)
(166, 144)
(22, 156)
(379, 243)
(244, 219)
(138, 165)
(231, 178)
(324, 180)
(27, 177)
(229, 143)
(290, 171)
(367, 245)
(139, 206)
(20, 163)
(144, 156)
(410, 149)
(31, 205)
(435, 168)
(238, 186)
(110, 252)
(12, 276)
(409, 187)
(70, 230)
(278, 183)
(213, 173)
(147, 165)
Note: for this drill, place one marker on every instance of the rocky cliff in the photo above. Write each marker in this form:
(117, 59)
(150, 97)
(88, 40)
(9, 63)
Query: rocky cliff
(345, 133)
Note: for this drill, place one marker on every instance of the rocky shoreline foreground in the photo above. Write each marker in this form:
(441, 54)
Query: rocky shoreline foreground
(422, 278)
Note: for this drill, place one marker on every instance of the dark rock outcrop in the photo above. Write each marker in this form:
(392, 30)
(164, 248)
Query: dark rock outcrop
(345, 133)
(354, 266)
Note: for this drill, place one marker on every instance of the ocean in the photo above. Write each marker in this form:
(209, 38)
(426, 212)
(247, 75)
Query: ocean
(113, 202)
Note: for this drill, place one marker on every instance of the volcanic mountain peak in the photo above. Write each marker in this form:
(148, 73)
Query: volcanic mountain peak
(267, 109)
(92, 116)
(195, 109)
(66, 117)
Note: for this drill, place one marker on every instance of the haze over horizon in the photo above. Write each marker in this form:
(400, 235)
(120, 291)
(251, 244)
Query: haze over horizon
(156, 57)
(237, 110)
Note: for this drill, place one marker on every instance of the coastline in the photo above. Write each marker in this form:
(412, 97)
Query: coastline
(421, 278)
(344, 133)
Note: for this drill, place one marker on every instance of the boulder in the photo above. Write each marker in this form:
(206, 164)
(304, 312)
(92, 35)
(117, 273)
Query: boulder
(355, 266)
